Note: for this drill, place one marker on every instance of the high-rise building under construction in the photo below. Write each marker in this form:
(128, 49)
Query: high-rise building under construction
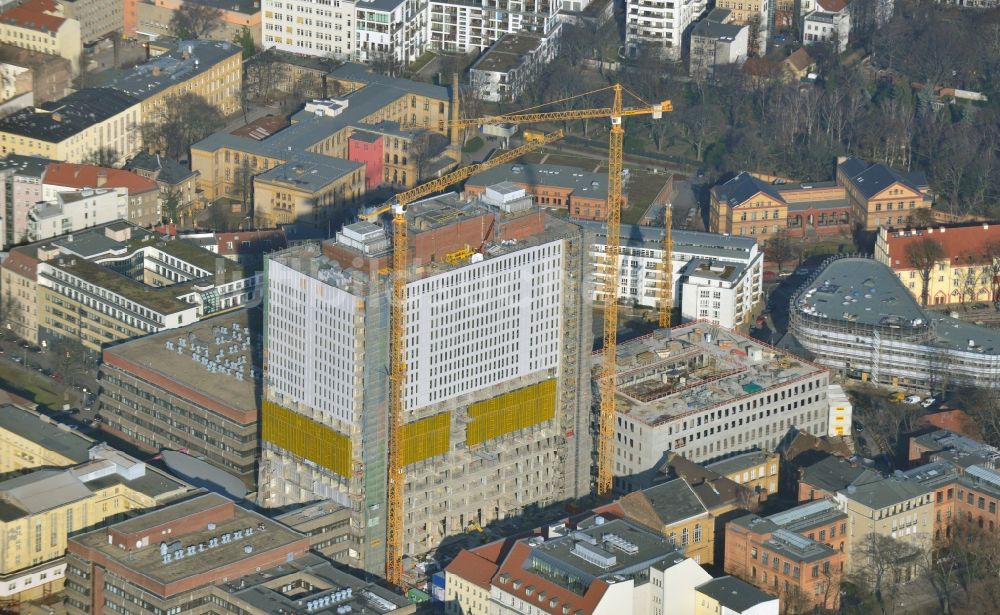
(497, 396)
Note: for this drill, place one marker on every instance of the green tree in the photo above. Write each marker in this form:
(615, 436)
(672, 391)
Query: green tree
(244, 38)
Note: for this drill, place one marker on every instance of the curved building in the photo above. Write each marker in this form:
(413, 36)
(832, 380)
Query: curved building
(856, 316)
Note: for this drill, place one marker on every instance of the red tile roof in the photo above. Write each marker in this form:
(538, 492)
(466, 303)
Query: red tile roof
(513, 567)
(832, 6)
(21, 263)
(473, 568)
(85, 176)
(959, 243)
(34, 14)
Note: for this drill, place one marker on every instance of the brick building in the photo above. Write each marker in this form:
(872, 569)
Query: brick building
(801, 551)
(880, 195)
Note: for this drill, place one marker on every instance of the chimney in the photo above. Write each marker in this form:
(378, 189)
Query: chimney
(102, 178)
(156, 70)
(57, 117)
(942, 230)
(986, 226)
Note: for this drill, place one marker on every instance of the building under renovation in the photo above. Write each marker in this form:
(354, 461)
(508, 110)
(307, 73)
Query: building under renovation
(707, 393)
(496, 407)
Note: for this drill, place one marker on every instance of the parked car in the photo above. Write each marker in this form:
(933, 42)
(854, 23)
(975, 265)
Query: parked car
(858, 426)
(802, 271)
(897, 397)
(927, 403)
(912, 399)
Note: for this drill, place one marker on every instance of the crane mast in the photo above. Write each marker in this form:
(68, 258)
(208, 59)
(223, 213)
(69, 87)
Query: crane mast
(396, 477)
(609, 363)
(667, 297)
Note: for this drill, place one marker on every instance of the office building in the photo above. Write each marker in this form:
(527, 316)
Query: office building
(856, 316)
(117, 281)
(97, 18)
(600, 564)
(174, 558)
(152, 20)
(62, 482)
(659, 26)
(297, 26)
(74, 211)
(496, 404)
(192, 388)
(707, 393)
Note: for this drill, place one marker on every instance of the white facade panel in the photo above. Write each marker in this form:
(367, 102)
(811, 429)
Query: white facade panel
(483, 324)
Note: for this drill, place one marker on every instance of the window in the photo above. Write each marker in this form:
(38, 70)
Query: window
(697, 533)
(684, 537)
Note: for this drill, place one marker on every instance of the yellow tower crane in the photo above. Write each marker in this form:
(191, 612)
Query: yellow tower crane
(605, 431)
(397, 347)
(667, 290)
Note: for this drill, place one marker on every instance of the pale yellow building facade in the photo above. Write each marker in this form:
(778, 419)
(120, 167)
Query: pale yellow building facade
(40, 25)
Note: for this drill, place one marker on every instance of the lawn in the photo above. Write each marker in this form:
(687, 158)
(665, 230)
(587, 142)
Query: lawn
(40, 390)
(642, 188)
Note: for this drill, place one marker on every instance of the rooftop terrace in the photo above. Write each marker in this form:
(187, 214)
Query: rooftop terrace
(673, 372)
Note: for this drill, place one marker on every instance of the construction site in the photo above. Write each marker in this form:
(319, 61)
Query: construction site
(708, 392)
(480, 314)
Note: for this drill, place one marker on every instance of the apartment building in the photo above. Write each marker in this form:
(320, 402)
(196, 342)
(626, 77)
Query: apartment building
(308, 28)
(19, 282)
(963, 274)
(74, 211)
(511, 64)
(472, 27)
(97, 18)
(583, 194)
(824, 27)
(139, 195)
(21, 178)
(152, 19)
(191, 388)
(716, 42)
(172, 177)
(75, 127)
(880, 195)
(687, 512)
(756, 15)
(840, 316)
(41, 25)
(659, 26)
(500, 411)
(758, 471)
(798, 554)
(746, 205)
(825, 477)
(715, 278)
(116, 281)
(707, 393)
(319, 138)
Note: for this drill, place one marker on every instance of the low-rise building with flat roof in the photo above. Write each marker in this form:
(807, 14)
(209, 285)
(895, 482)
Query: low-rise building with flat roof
(581, 193)
(195, 388)
(856, 316)
(74, 211)
(511, 63)
(707, 393)
(62, 481)
(172, 557)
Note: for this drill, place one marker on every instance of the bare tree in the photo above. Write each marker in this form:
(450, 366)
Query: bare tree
(884, 561)
(779, 248)
(179, 123)
(991, 269)
(194, 20)
(940, 570)
(923, 255)
(242, 185)
(103, 157)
